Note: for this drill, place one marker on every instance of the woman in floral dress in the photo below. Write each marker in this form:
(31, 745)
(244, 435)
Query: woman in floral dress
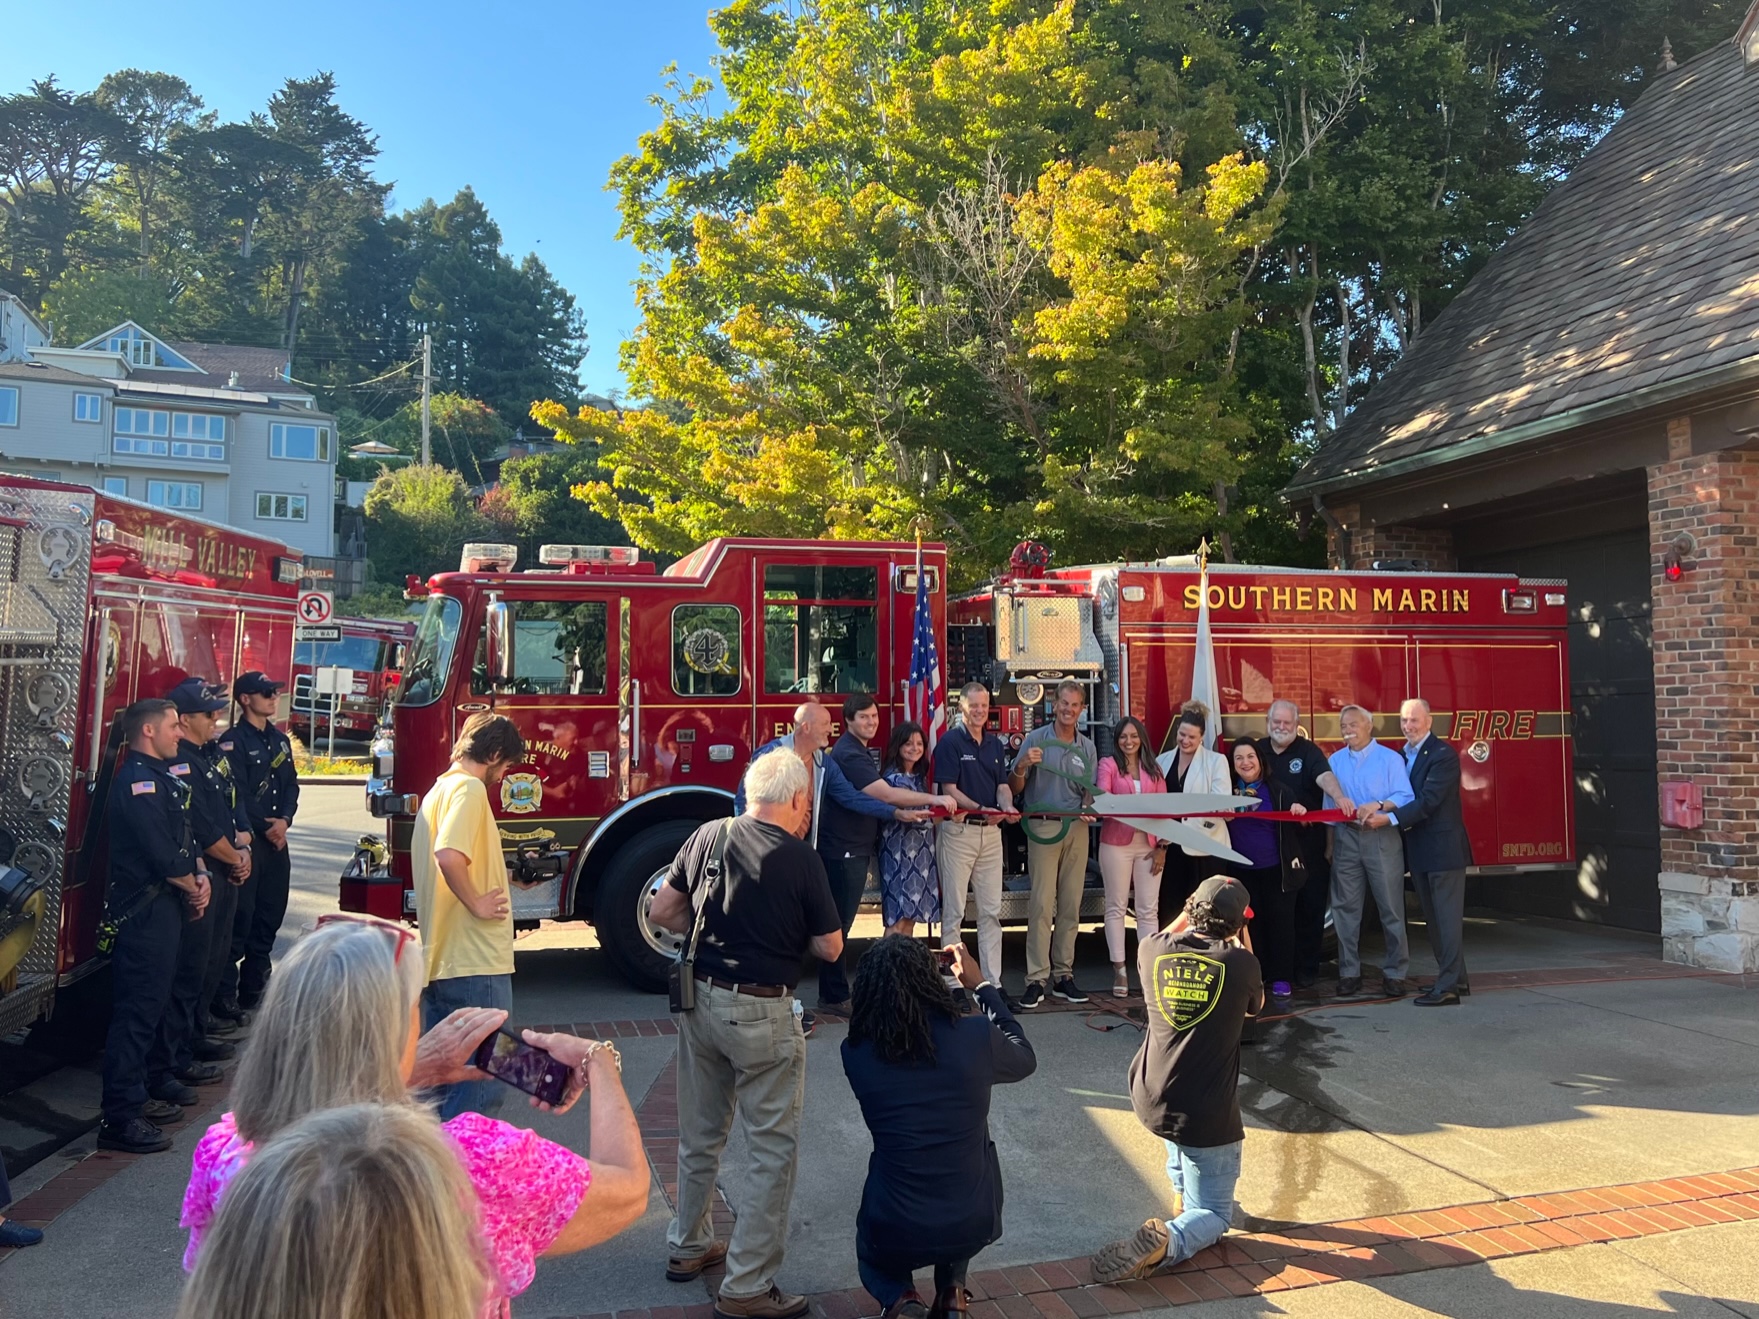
(909, 882)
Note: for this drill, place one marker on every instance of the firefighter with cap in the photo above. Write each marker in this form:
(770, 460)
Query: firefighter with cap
(222, 832)
(156, 886)
(262, 761)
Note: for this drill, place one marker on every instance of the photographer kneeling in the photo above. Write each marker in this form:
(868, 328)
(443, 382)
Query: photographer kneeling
(922, 1073)
(1200, 981)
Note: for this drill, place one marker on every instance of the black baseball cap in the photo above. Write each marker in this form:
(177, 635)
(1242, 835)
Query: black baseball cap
(1226, 897)
(256, 683)
(198, 696)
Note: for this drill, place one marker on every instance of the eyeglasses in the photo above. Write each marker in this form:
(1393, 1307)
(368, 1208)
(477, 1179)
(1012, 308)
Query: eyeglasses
(401, 935)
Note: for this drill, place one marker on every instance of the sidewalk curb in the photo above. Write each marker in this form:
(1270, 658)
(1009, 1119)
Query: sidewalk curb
(333, 780)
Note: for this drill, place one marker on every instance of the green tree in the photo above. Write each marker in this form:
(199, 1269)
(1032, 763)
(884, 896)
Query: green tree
(157, 111)
(418, 519)
(56, 148)
(531, 504)
(84, 303)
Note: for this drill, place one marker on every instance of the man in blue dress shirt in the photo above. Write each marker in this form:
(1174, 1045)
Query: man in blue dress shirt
(1368, 854)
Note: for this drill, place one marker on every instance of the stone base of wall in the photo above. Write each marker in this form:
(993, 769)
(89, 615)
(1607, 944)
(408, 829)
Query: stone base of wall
(1710, 923)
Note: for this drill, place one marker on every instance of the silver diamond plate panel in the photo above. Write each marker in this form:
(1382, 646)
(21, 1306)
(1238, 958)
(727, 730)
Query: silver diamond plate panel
(45, 587)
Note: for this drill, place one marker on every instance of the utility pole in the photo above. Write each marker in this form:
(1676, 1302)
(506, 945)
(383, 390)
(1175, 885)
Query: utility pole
(427, 393)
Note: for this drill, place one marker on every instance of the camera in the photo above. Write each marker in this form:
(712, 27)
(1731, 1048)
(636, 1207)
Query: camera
(945, 957)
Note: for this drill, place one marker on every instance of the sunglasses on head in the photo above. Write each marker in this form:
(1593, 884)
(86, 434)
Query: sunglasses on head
(400, 935)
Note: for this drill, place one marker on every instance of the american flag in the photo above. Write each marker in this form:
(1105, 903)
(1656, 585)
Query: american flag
(925, 697)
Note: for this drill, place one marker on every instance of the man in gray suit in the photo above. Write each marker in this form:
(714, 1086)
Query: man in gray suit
(1436, 849)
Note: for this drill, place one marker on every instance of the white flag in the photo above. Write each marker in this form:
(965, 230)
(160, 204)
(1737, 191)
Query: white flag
(1203, 683)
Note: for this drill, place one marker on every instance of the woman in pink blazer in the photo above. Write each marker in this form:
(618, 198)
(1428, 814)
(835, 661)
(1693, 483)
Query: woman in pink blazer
(1129, 858)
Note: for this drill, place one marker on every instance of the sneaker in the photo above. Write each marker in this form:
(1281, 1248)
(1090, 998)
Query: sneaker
(135, 1136)
(199, 1074)
(1281, 989)
(161, 1110)
(1067, 990)
(773, 1304)
(207, 1050)
(17, 1235)
(175, 1092)
(1135, 1256)
(1033, 996)
(687, 1268)
(807, 1022)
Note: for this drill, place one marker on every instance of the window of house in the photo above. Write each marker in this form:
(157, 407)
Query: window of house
(311, 443)
(198, 426)
(139, 352)
(820, 628)
(116, 485)
(88, 407)
(705, 650)
(281, 508)
(8, 407)
(175, 494)
(558, 650)
(135, 427)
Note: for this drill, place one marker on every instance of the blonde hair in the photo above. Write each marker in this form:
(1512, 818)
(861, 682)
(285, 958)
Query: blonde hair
(331, 1031)
(356, 1213)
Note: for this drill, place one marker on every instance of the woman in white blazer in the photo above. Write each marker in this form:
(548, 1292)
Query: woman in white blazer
(1192, 767)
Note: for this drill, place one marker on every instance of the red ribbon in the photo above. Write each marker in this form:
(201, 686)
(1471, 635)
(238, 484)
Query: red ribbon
(1331, 816)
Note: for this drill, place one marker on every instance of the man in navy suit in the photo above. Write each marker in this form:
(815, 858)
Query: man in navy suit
(1436, 849)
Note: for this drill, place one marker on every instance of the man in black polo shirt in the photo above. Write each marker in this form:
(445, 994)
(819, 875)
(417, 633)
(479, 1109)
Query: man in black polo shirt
(1297, 764)
(847, 841)
(740, 1049)
(1200, 981)
(971, 764)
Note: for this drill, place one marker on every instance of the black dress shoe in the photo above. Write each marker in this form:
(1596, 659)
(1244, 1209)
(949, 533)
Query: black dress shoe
(1392, 988)
(175, 1092)
(162, 1110)
(1431, 999)
(229, 1009)
(199, 1074)
(135, 1136)
(212, 1051)
(1349, 987)
(1464, 991)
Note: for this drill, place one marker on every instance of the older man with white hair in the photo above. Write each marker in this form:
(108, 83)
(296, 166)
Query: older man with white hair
(1295, 764)
(1436, 849)
(751, 900)
(1366, 852)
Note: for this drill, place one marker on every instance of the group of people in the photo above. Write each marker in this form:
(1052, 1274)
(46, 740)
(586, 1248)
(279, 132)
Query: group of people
(360, 1167)
(198, 881)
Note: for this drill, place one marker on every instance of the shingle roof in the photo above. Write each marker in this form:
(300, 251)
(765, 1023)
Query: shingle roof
(43, 371)
(1639, 270)
(258, 368)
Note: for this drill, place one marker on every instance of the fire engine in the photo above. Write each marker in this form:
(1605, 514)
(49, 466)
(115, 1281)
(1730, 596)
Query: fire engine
(373, 649)
(105, 601)
(641, 694)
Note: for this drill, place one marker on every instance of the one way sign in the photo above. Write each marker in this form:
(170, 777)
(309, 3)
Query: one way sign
(316, 607)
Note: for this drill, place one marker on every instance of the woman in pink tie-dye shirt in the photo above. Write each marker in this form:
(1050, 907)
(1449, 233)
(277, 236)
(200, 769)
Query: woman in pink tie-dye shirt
(341, 1025)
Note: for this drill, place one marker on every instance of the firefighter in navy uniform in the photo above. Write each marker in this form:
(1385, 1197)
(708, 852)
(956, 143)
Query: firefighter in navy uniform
(213, 811)
(154, 888)
(262, 760)
(217, 1023)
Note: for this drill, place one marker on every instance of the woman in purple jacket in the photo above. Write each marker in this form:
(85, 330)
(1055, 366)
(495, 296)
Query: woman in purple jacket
(1273, 871)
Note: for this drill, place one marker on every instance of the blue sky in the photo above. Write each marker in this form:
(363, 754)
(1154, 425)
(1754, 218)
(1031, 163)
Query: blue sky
(527, 101)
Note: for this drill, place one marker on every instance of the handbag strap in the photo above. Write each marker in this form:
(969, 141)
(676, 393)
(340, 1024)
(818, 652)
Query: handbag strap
(717, 863)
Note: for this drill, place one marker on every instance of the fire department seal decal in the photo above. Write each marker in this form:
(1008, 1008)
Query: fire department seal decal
(1187, 986)
(705, 650)
(521, 794)
(1295, 765)
(1479, 751)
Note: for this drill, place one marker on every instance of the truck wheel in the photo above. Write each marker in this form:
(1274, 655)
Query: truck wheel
(641, 950)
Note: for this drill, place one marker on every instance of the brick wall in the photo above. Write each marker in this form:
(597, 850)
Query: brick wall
(1368, 543)
(1707, 704)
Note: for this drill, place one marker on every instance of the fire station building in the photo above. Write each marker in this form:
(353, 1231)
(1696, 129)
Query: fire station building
(1588, 409)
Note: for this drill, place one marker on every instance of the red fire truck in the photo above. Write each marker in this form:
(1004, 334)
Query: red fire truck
(641, 694)
(373, 649)
(106, 601)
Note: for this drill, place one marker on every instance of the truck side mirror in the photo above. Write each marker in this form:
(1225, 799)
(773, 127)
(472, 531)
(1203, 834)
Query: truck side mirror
(498, 619)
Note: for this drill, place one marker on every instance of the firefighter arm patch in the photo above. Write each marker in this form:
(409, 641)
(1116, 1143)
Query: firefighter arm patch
(143, 787)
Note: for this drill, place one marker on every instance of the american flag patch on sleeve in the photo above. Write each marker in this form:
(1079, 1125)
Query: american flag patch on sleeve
(145, 785)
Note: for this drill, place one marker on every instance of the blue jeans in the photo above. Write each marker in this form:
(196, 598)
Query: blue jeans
(888, 1288)
(438, 1001)
(1204, 1179)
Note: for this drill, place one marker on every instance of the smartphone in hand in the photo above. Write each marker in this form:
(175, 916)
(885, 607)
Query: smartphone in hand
(523, 1066)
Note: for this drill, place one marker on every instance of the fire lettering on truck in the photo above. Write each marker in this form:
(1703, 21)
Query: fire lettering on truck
(1333, 599)
(1493, 725)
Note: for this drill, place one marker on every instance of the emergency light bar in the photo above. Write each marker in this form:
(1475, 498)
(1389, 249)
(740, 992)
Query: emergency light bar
(588, 554)
(484, 556)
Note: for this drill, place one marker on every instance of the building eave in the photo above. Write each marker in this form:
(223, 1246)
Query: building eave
(1494, 442)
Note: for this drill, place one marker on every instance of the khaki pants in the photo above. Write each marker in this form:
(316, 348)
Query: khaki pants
(738, 1052)
(969, 857)
(1058, 872)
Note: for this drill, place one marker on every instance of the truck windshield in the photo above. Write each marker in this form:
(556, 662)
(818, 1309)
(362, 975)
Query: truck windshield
(358, 653)
(430, 654)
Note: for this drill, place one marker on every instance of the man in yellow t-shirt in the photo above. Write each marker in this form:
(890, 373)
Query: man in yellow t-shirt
(462, 901)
